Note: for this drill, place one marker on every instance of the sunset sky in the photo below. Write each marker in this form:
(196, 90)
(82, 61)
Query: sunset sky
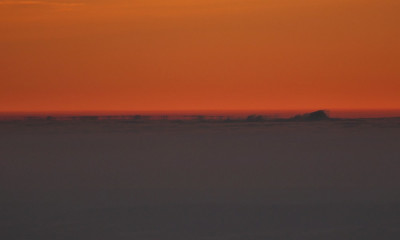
(173, 55)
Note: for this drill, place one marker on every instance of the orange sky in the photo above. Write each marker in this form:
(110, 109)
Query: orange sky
(138, 55)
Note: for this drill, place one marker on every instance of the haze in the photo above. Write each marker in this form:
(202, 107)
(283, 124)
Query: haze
(177, 55)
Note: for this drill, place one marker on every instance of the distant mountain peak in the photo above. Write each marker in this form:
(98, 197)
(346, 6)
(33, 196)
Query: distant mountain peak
(313, 116)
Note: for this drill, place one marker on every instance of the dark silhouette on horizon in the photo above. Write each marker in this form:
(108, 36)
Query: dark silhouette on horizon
(313, 116)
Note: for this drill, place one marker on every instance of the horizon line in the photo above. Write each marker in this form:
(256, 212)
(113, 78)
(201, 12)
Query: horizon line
(335, 113)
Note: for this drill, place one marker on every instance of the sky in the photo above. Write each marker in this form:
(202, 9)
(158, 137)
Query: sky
(198, 55)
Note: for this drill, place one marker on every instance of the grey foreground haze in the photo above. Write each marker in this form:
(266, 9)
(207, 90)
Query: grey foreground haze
(115, 179)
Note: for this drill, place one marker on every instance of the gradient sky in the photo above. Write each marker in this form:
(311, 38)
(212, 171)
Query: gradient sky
(137, 55)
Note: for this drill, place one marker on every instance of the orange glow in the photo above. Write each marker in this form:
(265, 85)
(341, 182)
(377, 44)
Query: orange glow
(159, 55)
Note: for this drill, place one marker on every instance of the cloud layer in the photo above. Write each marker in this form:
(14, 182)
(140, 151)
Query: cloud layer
(41, 3)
